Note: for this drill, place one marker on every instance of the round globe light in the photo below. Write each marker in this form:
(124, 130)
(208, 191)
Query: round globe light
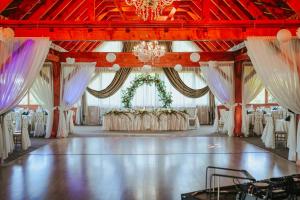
(195, 57)
(298, 32)
(70, 61)
(212, 63)
(111, 57)
(284, 35)
(116, 67)
(178, 67)
(8, 33)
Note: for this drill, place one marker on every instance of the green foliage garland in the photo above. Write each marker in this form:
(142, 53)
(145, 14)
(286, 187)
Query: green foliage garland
(164, 96)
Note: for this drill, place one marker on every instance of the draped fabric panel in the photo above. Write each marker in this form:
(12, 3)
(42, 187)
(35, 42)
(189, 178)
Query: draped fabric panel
(21, 59)
(212, 107)
(277, 65)
(72, 88)
(114, 86)
(179, 85)
(42, 90)
(252, 86)
(220, 81)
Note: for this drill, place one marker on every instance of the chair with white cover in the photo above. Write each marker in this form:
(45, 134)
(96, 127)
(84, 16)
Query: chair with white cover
(25, 135)
(221, 121)
(268, 133)
(39, 125)
(280, 131)
(258, 123)
(193, 118)
(9, 130)
(18, 120)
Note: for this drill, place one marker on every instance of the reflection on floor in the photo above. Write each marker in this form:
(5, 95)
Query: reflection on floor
(203, 130)
(18, 151)
(125, 167)
(280, 150)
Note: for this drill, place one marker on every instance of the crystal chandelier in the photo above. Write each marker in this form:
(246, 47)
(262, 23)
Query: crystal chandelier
(148, 51)
(149, 8)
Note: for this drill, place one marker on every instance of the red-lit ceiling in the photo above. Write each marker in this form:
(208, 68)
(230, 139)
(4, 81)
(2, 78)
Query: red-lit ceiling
(117, 10)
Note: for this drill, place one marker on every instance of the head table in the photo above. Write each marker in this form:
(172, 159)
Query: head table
(146, 120)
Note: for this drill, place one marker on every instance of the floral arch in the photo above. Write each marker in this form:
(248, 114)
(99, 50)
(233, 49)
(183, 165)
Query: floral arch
(164, 96)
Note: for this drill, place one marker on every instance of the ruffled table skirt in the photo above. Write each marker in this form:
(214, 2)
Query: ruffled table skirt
(145, 122)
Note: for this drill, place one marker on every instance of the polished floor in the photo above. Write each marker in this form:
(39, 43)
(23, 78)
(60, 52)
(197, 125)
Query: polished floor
(133, 168)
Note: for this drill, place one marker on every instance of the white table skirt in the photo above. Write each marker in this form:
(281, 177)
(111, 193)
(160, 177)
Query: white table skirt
(147, 122)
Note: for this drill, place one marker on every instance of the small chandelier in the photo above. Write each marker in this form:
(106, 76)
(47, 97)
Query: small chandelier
(149, 8)
(148, 51)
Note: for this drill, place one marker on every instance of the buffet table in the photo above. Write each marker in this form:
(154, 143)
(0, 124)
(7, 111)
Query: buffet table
(146, 120)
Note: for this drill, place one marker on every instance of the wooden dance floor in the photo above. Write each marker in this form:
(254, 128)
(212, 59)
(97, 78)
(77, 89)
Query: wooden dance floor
(133, 168)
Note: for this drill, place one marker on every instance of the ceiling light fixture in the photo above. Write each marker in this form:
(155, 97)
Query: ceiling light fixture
(149, 8)
(148, 51)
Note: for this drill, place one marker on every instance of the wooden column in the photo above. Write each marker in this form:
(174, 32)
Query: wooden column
(56, 71)
(238, 72)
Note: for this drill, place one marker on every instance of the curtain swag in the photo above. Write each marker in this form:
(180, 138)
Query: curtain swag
(114, 86)
(178, 84)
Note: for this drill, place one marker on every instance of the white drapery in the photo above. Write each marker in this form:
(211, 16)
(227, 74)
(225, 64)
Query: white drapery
(72, 88)
(277, 66)
(42, 90)
(220, 80)
(252, 86)
(21, 60)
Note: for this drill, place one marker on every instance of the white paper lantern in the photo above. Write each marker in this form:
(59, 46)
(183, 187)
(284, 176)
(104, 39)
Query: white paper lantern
(298, 32)
(8, 33)
(111, 57)
(147, 68)
(178, 67)
(212, 63)
(195, 57)
(116, 67)
(70, 61)
(284, 35)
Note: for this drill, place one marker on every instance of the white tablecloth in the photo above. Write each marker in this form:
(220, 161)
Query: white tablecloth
(135, 122)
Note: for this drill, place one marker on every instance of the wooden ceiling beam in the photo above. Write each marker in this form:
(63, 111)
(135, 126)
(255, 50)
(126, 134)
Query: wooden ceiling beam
(223, 9)
(252, 9)
(58, 11)
(53, 57)
(233, 6)
(44, 9)
(95, 45)
(129, 60)
(295, 5)
(73, 9)
(4, 4)
(140, 30)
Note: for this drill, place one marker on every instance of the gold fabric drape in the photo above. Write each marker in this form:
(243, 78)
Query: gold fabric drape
(119, 79)
(179, 85)
(212, 107)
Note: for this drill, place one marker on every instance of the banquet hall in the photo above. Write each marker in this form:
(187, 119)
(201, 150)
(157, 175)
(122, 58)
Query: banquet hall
(142, 99)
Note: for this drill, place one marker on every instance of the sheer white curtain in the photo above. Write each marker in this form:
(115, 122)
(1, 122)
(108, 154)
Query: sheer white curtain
(277, 65)
(21, 60)
(252, 86)
(72, 88)
(220, 80)
(147, 96)
(42, 90)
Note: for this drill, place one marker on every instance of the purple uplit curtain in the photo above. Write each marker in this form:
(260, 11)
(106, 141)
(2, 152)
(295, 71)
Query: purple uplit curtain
(21, 60)
(73, 88)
